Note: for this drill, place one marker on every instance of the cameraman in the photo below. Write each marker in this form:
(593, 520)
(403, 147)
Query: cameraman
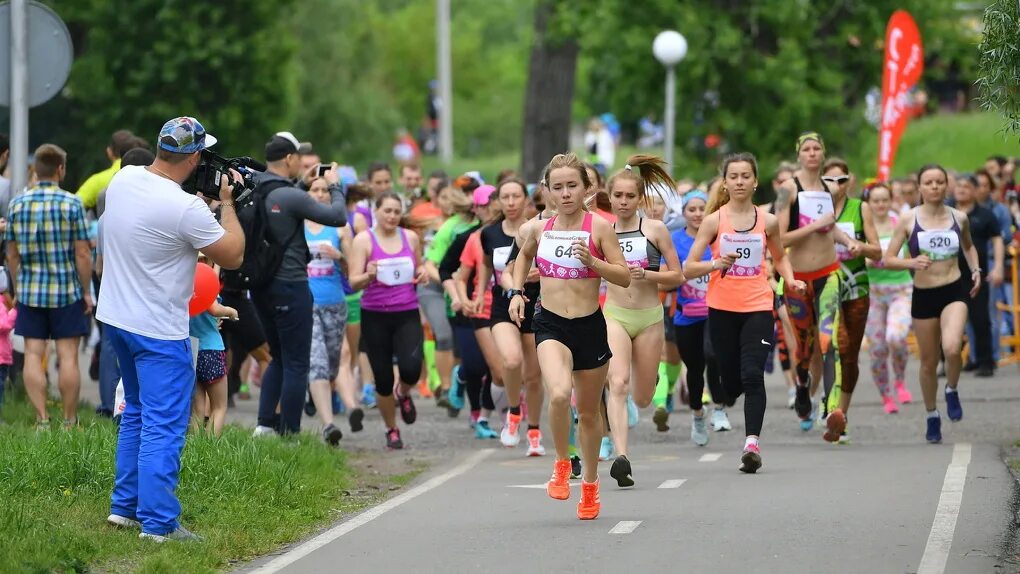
(285, 305)
(152, 233)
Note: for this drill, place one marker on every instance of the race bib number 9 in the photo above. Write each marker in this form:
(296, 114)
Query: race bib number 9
(841, 251)
(749, 247)
(939, 245)
(635, 251)
(394, 271)
(813, 205)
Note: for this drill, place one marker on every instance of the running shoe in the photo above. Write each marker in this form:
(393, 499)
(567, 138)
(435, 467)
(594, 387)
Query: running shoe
(606, 450)
(122, 521)
(332, 435)
(368, 396)
(699, 431)
(934, 434)
(720, 422)
(310, 409)
(473, 418)
(423, 389)
(953, 407)
(661, 419)
(535, 447)
(575, 467)
(835, 424)
(355, 419)
(985, 372)
(750, 461)
(621, 472)
(393, 441)
(903, 393)
(182, 534)
(558, 486)
(261, 431)
(588, 508)
(408, 413)
(633, 415)
(844, 438)
(802, 402)
(443, 398)
(338, 405)
(510, 435)
(482, 431)
(941, 372)
(244, 394)
(791, 397)
(890, 406)
(456, 396)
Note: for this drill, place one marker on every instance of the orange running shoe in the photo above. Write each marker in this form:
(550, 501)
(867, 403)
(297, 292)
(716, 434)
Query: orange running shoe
(588, 508)
(835, 424)
(423, 389)
(558, 486)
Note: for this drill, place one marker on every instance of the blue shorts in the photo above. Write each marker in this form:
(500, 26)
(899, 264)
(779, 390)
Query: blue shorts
(52, 323)
(211, 366)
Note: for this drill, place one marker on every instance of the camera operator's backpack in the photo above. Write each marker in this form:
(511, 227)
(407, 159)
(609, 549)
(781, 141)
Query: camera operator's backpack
(262, 253)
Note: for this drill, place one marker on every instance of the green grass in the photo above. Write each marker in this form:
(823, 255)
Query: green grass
(245, 497)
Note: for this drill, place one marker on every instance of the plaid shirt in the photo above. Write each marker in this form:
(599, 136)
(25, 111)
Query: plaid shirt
(45, 221)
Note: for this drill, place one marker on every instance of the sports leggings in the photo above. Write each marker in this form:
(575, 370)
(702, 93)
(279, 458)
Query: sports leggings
(781, 349)
(474, 371)
(387, 334)
(696, 354)
(853, 318)
(812, 314)
(742, 342)
(433, 306)
(888, 326)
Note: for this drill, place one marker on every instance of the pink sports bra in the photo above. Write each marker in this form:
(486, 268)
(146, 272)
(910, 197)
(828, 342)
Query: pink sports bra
(554, 257)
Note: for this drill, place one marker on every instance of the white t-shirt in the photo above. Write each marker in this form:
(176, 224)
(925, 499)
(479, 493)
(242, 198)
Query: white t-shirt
(152, 231)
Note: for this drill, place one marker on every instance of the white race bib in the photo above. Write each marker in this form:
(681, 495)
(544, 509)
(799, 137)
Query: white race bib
(841, 251)
(813, 205)
(556, 247)
(750, 249)
(939, 245)
(501, 258)
(320, 265)
(695, 288)
(395, 271)
(635, 251)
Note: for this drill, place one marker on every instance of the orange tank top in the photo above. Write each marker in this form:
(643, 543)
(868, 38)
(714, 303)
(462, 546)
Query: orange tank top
(744, 288)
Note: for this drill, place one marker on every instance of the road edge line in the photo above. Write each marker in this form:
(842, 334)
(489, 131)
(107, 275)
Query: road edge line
(940, 539)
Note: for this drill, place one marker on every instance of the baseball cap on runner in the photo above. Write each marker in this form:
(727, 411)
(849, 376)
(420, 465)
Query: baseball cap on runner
(482, 194)
(184, 135)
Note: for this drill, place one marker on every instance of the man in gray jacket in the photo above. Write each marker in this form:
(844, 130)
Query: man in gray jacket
(285, 305)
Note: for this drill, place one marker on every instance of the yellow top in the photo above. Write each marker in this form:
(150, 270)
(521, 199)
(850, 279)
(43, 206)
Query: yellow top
(97, 182)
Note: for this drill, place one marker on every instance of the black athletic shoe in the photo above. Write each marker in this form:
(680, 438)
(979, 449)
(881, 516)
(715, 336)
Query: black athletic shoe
(970, 367)
(984, 372)
(621, 472)
(407, 411)
(575, 466)
(310, 407)
(750, 461)
(393, 441)
(443, 399)
(355, 418)
(802, 403)
(332, 435)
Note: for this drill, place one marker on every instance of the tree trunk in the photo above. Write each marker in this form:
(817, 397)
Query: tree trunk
(547, 105)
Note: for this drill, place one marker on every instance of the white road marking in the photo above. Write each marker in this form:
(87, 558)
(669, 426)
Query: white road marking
(288, 558)
(710, 457)
(526, 485)
(675, 483)
(625, 527)
(940, 540)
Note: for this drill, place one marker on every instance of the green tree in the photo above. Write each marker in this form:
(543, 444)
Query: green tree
(1000, 61)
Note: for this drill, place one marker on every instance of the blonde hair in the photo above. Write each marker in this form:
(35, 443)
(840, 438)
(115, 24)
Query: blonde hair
(460, 202)
(720, 196)
(646, 171)
(572, 161)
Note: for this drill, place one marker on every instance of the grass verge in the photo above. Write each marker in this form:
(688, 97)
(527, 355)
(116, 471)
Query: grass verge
(245, 497)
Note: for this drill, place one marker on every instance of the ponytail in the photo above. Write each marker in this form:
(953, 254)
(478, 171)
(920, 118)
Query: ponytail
(649, 173)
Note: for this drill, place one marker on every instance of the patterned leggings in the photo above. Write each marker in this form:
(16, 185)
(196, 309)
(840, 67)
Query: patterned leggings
(853, 317)
(887, 330)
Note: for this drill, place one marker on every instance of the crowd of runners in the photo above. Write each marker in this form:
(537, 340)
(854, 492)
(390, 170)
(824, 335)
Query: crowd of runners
(582, 294)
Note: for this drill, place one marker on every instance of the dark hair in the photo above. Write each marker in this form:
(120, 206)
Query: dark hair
(438, 174)
(48, 159)
(121, 142)
(466, 183)
(377, 166)
(880, 185)
(388, 195)
(929, 167)
(999, 159)
(836, 162)
(357, 192)
(5, 143)
(987, 174)
(138, 142)
(599, 182)
(969, 178)
(507, 173)
(721, 196)
(137, 156)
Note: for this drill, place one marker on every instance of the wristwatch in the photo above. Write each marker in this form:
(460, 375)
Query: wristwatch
(511, 293)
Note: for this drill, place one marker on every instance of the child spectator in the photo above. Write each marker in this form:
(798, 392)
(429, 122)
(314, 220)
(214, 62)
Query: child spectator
(211, 370)
(7, 316)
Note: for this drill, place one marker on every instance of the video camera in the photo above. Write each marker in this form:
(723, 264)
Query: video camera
(212, 167)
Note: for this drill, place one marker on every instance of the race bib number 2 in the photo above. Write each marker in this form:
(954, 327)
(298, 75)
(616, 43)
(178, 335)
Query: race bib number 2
(813, 205)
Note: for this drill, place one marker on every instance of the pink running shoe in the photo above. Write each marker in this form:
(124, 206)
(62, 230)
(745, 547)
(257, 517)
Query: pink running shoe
(890, 406)
(902, 393)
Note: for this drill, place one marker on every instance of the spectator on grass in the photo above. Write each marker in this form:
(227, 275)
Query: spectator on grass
(120, 142)
(8, 315)
(136, 143)
(152, 233)
(48, 252)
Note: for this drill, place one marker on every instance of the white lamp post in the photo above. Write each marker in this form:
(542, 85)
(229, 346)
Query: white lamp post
(670, 48)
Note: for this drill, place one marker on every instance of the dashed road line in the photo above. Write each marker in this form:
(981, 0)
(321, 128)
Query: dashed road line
(625, 527)
(940, 540)
(710, 457)
(674, 483)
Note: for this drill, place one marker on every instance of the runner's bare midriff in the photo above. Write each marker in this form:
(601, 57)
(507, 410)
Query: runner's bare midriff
(570, 298)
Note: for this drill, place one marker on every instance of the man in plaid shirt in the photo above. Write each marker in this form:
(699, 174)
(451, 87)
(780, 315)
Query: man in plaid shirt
(48, 254)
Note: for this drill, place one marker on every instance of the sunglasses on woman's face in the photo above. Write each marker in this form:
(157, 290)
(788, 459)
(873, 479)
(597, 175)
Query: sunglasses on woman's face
(837, 179)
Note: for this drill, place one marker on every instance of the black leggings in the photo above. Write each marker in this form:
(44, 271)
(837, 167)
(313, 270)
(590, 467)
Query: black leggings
(742, 342)
(474, 371)
(695, 351)
(389, 334)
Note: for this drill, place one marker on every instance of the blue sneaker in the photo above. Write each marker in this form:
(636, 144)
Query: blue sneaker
(338, 405)
(456, 396)
(606, 450)
(953, 407)
(934, 434)
(633, 415)
(482, 430)
(368, 396)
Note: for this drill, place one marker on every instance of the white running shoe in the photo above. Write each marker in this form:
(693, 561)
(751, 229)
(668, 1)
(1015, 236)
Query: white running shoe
(535, 447)
(510, 436)
(263, 431)
(123, 521)
(791, 397)
(720, 422)
(699, 432)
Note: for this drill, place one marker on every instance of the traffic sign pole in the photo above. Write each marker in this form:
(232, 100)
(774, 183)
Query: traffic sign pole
(19, 96)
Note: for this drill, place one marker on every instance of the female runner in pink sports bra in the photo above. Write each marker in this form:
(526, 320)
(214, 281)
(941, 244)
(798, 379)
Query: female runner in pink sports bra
(573, 251)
